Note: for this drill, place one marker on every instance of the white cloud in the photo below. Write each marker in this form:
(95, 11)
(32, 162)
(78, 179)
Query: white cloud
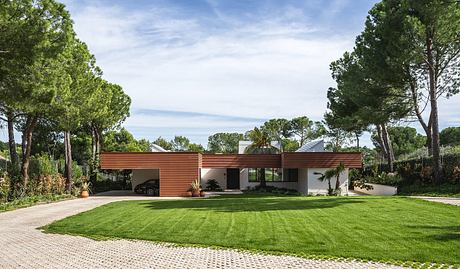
(276, 66)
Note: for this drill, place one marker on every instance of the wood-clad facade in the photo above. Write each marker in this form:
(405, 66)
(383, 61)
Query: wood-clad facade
(178, 169)
(321, 159)
(241, 161)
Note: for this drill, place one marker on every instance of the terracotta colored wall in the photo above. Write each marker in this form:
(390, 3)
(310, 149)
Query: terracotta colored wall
(177, 169)
(241, 161)
(321, 159)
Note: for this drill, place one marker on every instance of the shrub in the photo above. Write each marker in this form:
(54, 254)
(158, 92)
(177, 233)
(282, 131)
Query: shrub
(213, 185)
(4, 187)
(272, 189)
(390, 179)
(420, 171)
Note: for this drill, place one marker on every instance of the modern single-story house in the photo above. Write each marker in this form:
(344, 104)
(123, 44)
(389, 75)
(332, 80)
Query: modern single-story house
(176, 170)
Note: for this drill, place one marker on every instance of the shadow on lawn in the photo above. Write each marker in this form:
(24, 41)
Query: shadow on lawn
(443, 233)
(248, 204)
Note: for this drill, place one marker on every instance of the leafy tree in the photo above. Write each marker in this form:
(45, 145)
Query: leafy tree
(34, 34)
(163, 143)
(108, 108)
(450, 136)
(196, 148)
(418, 49)
(180, 143)
(404, 140)
(306, 129)
(123, 141)
(277, 129)
(261, 144)
(290, 145)
(224, 142)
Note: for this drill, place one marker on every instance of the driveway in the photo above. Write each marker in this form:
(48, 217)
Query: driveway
(444, 200)
(23, 246)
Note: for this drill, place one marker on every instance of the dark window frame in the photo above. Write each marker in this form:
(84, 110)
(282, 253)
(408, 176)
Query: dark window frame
(282, 177)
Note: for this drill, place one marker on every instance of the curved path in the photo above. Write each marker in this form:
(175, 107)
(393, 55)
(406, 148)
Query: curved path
(23, 246)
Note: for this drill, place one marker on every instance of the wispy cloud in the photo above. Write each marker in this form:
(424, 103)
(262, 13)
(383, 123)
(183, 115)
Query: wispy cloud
(208, 66)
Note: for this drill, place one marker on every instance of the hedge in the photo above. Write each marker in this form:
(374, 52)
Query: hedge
(420, 171)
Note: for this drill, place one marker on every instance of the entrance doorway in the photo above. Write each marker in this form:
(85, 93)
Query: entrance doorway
(233, 178)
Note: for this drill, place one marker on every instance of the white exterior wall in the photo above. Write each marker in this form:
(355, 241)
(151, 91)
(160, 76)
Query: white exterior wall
(141, 175)
(219, 174)
(378, 190)
(302, 186)
(317, 187)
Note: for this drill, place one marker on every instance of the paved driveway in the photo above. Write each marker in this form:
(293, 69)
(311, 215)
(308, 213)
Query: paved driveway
(23, 246)
(444, 200)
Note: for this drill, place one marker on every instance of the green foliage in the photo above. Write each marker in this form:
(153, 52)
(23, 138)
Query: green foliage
(452, 190)
(213, 185)
(180, 143)
(261, 143)
(32, 200)
(404, 140)
(163, 143)
(383, 178)
(290, 145)
(277, 129)
(450, 136)
(42, 165)
(271, 189)
(420, 171)
(123, 141)
(196, 148)
(224, 142)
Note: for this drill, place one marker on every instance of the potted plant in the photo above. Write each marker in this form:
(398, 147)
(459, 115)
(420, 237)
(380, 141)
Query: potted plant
(188, 193)
(85, 189)
(195, 188)
(202, 193)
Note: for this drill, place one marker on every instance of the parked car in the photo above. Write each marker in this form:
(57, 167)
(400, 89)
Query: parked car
(150, 187)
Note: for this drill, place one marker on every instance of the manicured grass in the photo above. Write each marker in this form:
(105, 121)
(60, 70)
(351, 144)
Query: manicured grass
(375, 228)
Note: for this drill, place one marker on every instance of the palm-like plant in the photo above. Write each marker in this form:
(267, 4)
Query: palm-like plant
(261, 144)
(329, 174)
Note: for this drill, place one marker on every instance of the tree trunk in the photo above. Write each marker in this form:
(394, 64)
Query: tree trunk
(387, 142)
(31, 122)
(357, 141)
(93, 144)
(426, 127)
(337, 182)
(68, 161)
(263, 183)
(12, 143)
(434, 109)
(381, 142)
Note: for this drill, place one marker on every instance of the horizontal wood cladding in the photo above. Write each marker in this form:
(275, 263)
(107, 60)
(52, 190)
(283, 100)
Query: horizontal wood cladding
(321, 159)
(147, 160)
(177, 169)
(241, 161)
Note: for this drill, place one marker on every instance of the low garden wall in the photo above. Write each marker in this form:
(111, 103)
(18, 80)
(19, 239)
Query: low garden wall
(378, 189)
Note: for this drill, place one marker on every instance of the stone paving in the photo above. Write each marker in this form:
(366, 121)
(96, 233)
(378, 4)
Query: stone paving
(444, 200)
(23, 246)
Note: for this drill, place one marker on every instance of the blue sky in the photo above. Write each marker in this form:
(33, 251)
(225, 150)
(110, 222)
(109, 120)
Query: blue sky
(199, 67)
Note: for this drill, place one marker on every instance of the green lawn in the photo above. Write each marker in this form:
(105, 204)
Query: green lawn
(376, 228)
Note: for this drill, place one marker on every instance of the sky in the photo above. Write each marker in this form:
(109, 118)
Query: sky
(198, 67)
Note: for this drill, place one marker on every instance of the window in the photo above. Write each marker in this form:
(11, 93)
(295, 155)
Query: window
(291, 175)
(252, 175)
(271, 174)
